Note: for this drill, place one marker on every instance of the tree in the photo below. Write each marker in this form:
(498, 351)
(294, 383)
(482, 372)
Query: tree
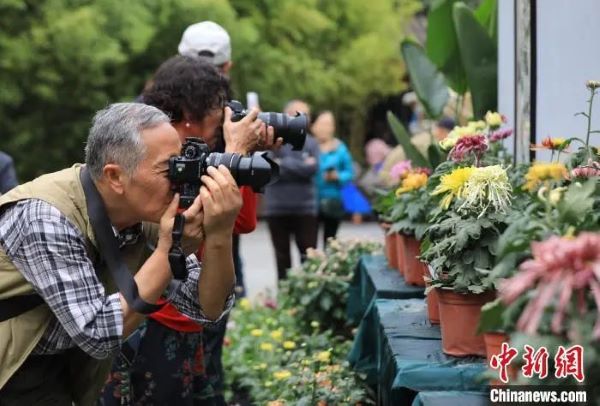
(62, 60)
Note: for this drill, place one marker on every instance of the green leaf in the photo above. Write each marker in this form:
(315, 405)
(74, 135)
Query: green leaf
(577, 202)
(491, 317)
(442, 45)
(479, 56)
(429, 83)
(487, 15)
(403, 139)
(435, 155)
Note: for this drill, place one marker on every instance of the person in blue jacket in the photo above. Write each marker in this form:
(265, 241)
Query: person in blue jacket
(334, 172)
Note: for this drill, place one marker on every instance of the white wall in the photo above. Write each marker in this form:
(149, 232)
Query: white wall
(568, 45)
(506, 62)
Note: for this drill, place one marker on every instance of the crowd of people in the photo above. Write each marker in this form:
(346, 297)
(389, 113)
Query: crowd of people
(73, 326)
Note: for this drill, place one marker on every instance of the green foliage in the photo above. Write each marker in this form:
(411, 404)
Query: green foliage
(318, 289)
(409, 214)
(62, 60)
(412, 153)
(442, 45)
(295, 353)
(479, 56)
(269, 356)
(428, 82)
(383, 204)
(461, 249)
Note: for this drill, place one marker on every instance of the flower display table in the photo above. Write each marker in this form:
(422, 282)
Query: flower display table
(374, 279)
(399, 350)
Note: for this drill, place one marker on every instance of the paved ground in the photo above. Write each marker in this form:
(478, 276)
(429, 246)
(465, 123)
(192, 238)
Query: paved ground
(259, 259)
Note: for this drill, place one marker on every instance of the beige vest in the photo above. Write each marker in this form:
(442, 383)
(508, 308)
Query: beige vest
(19, 335)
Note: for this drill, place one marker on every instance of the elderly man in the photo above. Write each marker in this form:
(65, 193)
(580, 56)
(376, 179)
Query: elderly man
(59, 351)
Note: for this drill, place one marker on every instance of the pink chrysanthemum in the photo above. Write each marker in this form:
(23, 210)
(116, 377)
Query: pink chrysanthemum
(562, 270)
(586, 171)
(476, 144)
(501, 134)
(400, 170)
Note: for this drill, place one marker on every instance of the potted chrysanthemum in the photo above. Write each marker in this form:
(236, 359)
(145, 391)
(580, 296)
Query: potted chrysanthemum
(410, 222)
(460, 249)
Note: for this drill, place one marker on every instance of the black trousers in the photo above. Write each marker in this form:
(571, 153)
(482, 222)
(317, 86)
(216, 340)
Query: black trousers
(304, 228)
(41, 380)
(330, 227)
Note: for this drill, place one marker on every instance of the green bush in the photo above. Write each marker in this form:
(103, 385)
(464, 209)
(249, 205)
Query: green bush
(318, 289)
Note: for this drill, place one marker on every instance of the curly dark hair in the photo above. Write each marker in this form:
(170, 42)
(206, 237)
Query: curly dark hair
(187, 88)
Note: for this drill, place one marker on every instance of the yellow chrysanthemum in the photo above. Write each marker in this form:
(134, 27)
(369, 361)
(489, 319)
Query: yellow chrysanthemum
(493, 119)
(277, 334)
(314, 324)
(412, 181)
(452, 185)
(282, 375)
(266, 346)
(289, 345)
(244, 303)
(475, 126)
(540, 172)
(323, 356)
(256, 332)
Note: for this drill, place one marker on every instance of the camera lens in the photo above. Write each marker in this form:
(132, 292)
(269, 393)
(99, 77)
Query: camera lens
(255, 171)
(292, 129)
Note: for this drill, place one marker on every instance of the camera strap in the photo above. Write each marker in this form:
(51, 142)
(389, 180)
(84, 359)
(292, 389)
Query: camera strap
(176, 254)
(108, 247)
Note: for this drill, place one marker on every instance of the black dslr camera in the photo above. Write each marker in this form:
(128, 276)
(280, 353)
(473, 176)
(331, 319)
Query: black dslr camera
(292, 129)
(185, 170)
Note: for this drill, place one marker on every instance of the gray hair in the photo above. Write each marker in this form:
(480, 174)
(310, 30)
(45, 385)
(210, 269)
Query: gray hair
(115, 136)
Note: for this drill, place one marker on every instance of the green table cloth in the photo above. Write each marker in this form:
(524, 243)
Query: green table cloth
(373, 278)
(401, 354)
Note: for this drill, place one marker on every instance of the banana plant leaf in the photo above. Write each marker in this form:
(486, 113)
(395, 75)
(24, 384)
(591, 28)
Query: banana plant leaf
(403, 139)
(442, 45)
(479, 56)
(429, 83)
(487, 15)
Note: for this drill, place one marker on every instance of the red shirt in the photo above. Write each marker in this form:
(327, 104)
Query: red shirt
(244, 223)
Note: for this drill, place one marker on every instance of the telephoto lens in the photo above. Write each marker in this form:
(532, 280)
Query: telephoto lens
(185, 171)
(292, 129)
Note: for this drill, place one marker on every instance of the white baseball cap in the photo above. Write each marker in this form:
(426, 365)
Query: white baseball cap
(208, 40)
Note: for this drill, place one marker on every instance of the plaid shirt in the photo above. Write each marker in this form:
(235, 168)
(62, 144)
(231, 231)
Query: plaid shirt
(51, 254)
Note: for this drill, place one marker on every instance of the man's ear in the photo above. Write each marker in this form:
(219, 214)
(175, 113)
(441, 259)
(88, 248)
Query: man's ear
(115, 177)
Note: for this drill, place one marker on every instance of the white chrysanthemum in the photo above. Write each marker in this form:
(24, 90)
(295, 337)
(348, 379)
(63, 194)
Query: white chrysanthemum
(487, 187)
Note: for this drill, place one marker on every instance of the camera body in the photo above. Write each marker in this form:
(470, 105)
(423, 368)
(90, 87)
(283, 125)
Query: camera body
(185, 170)
(292, 129)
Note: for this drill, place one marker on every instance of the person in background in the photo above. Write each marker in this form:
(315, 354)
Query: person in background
(8, 175)
(335, 171)
(375, 152)
(290, 204)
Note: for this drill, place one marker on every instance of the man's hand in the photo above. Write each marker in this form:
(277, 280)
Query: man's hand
(249, 134)
(221, 201)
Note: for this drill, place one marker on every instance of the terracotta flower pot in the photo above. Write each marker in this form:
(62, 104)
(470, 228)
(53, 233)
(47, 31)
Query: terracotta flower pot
(459, 316)
(414, 269)
(400, 252)
(493, 345)
(433, 306)
(390, 246)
